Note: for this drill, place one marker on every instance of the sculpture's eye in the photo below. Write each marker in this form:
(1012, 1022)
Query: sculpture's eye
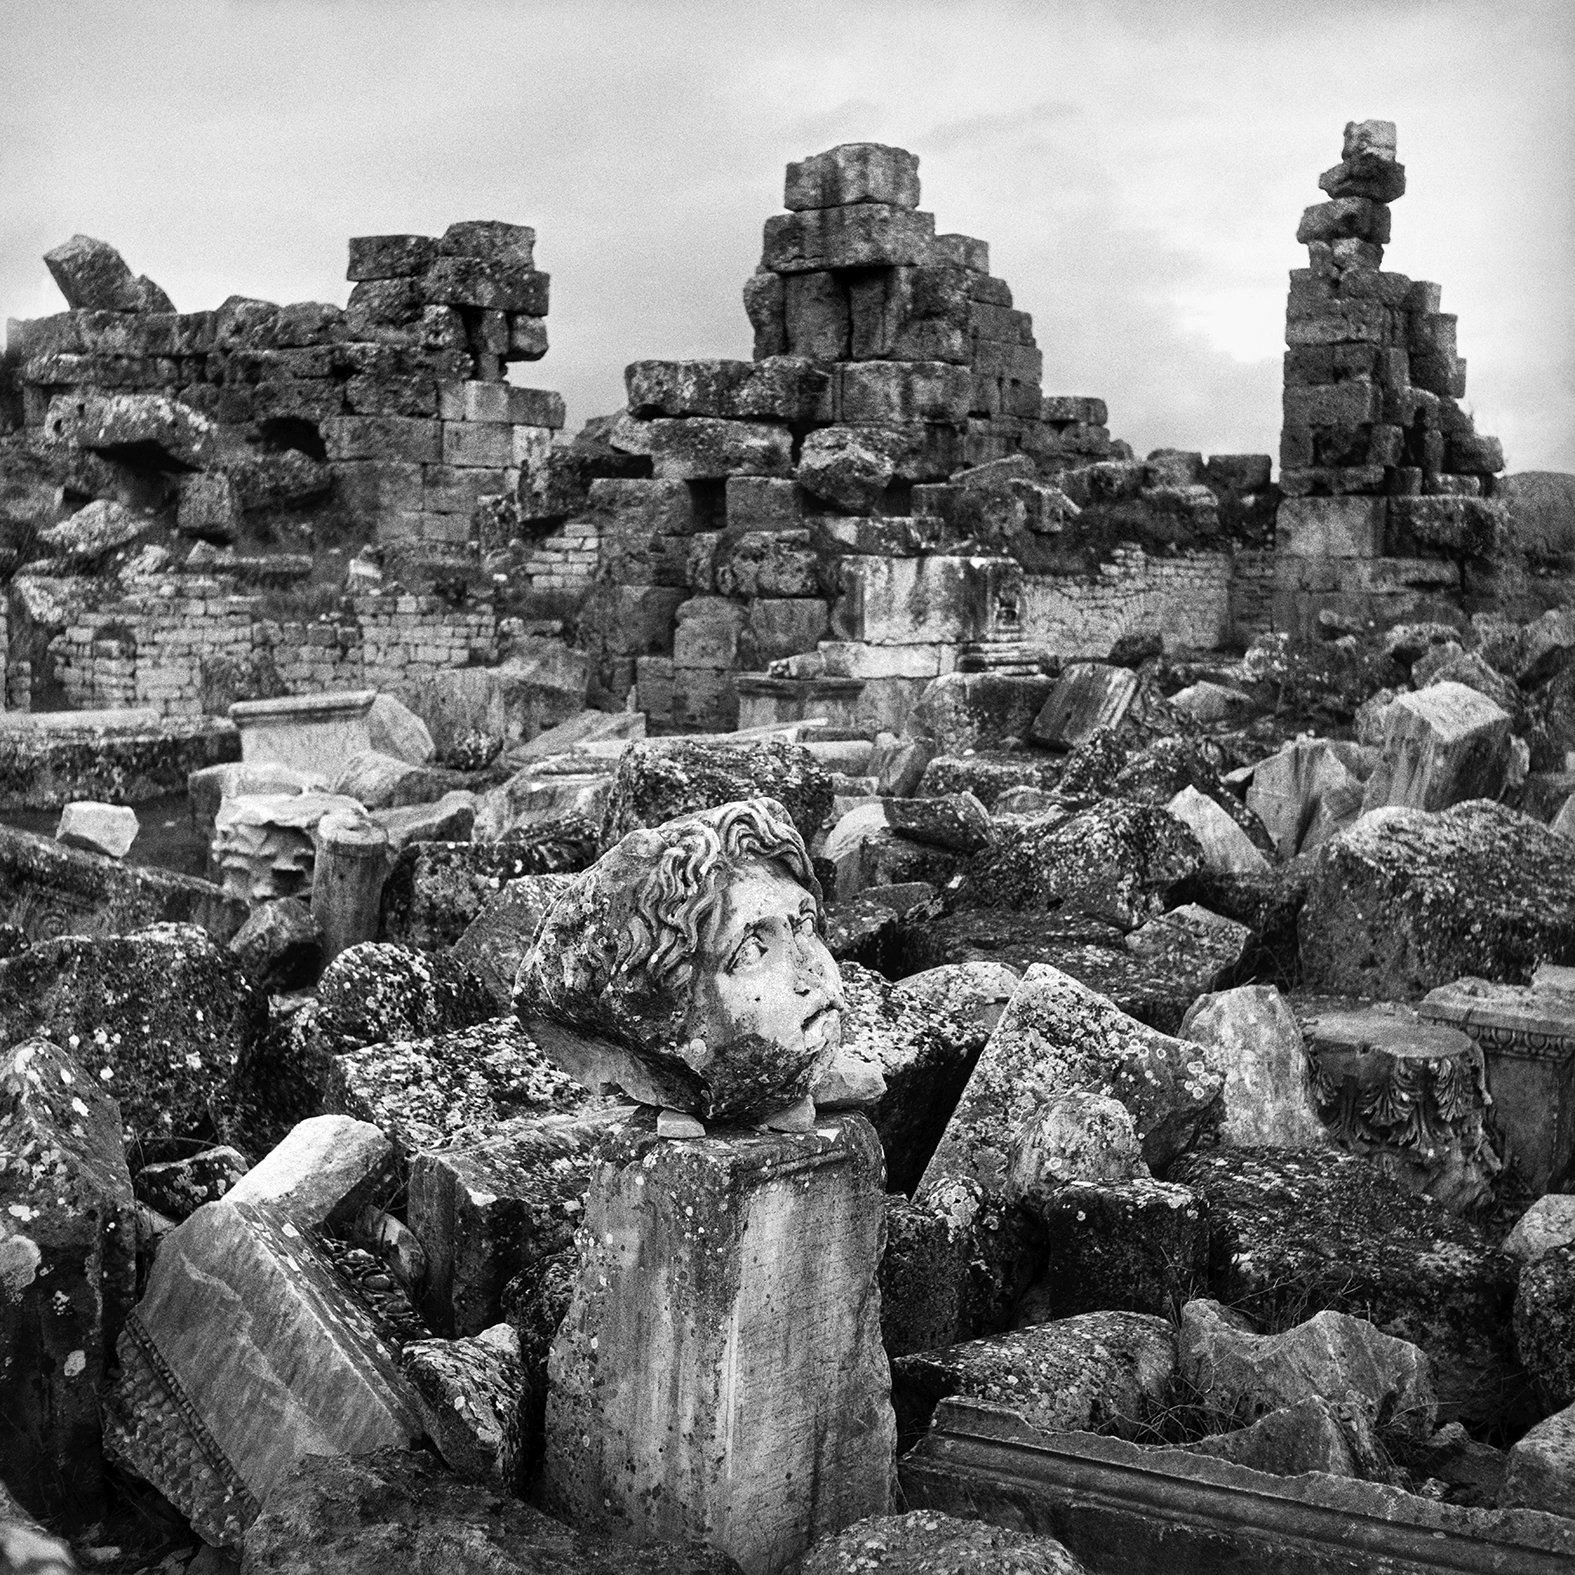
(750, 950)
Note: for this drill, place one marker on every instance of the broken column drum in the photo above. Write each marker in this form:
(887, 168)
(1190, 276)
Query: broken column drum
(347, 881)
(720, 1373)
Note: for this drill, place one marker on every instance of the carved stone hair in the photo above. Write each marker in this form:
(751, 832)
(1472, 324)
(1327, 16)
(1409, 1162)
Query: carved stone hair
(615, 955)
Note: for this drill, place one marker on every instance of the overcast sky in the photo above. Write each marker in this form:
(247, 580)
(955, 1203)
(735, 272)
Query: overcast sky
(1137, 166)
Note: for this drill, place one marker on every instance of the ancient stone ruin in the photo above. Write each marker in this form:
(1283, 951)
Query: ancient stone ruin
(829, 972)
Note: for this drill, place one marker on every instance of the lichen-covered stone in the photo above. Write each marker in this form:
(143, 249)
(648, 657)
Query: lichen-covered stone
(1331, 1356)
(656, 782)
(451, 1087)
(436, 890)
(378, 992)
(401, 1510)
(280, 945)
(963, 712)
(1105, 1371)
(974, 991)
(497, 939)
(178, 1187)
(926, 1542)
(1115, 860)
(1295, 1231)
(1406, 901)
(1134, 1244)
(159, 1018)
(923, 1052)
(1057, 1037)
(68, 1251)
(469, 1393)
(1545, 1324)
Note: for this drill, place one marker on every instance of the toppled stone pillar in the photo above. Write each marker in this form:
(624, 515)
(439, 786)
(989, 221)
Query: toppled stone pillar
(720, 1373)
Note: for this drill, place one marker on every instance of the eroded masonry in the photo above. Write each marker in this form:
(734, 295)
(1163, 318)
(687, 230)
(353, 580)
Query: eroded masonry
(829, 972)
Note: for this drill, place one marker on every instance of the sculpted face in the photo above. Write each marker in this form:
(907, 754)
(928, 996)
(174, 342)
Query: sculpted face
(768, 997)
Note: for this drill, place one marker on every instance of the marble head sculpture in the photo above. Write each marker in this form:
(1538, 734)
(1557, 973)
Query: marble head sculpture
(686, 968)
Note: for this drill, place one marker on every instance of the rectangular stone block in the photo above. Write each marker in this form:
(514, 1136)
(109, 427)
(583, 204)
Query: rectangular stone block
(389, 256)
(877, 392)
(487, 1210)
(1348, 527)
(1343, 322)
(965, 252)
(708, 632)
(662, 508)
(1087, 697)
(471, 281)
(1080, 408)
(1442, 745)
(910, 314)
(779, 626)
(783, 388)
(479, 443)
(816, 317)
(446, 489)
(854, 172)
(1345, 218)
(719, 1374)
(527, 337)
(1334, 404)
(383, 437)
(698, 448)
(859, 659)
(862, 235)
(764, 305)
(922, 601)
(378, 396)
(764, 503)
(535, 407)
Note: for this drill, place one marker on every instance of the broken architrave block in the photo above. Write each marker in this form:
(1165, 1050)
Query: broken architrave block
(1087, 697)
(246, 1354)
(470, 1393)
(720, 1373)
(324, 1172)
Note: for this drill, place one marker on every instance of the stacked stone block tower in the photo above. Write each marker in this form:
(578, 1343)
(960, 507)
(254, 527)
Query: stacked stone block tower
(861, 498)
(1377, 457)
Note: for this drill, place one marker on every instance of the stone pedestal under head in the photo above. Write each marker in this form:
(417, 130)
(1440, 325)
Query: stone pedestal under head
(720, 1373)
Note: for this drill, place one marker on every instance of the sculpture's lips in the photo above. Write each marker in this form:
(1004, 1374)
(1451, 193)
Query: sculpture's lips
(817, 1018)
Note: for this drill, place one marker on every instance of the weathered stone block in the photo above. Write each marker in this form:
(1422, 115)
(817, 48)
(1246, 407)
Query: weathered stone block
(783, 388)
(1349, 527)
(701, 448)
(389, 256)
(742, 1269)
(1442, 745)
(853, 172)
(916, 601)
(1057, 1037)
(245, 1355)
(859, 235)
(885, 391)
(68, 1248)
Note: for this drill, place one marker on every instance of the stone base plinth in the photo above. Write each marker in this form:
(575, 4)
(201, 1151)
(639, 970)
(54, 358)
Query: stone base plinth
(720, 1373)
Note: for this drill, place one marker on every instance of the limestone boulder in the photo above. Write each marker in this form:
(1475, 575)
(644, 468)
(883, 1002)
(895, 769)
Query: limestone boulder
(451, 1087)
(1087, 696)
(1547, 1224)
(1541, 1471)
(1332, 1356)
(1406, 901)
(450, 819)
(397, 1509)
(1250, 1035)
(1115, 861)
(654, 783)
(1107, 1371)
(926, 1542)
(67, 1273)
(323, 1173)
(469, 1393)
(396, 730)
(1306, 792)
(1442, 745)
(280, 945)
(1079, 1136)
(180, 436)
(94, 277)
(921, 1051)
(109, 829)
(497, 939)
(1545, 1324)
(850, 467)
(973, 991)
(379, 992)
(94, 531)
(1298, 1231)
(159, 1018)
(1055, 1038)
(1133, 1245)
(959, 712)
(178, 1187)
(1226, 848)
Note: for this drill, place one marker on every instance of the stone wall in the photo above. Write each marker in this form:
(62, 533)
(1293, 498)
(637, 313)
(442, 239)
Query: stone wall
(190, 645)
(1186, 599)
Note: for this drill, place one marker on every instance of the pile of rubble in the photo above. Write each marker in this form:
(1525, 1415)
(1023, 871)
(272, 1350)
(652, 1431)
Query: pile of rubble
(1210, 1017)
